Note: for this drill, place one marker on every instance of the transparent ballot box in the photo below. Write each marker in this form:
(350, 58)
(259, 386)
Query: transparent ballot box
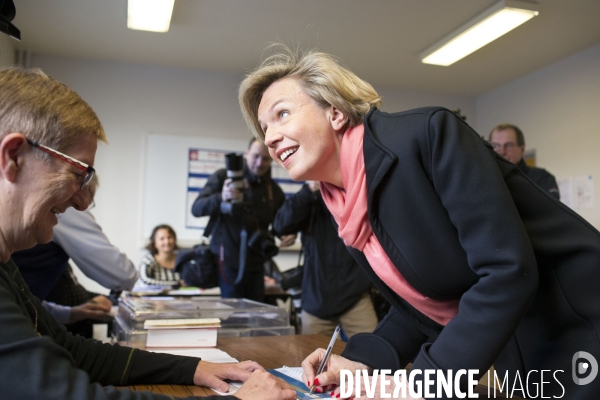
(239, 317)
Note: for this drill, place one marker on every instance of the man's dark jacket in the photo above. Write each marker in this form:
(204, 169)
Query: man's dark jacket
(265, 197)
(460, 222)
(332, 282)
(41, 267)
(541, 177)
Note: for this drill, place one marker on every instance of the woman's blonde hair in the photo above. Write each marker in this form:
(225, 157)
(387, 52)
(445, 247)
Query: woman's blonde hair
(322, 77)
(44, 110)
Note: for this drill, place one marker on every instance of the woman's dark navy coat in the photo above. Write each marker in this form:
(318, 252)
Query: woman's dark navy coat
(460, 222)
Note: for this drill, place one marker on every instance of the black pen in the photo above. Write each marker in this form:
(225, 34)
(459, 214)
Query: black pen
(326, 356)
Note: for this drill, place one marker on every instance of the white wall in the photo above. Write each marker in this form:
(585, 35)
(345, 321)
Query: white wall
(400, 100)
(7, 50)
(134, 100)
(557, 107)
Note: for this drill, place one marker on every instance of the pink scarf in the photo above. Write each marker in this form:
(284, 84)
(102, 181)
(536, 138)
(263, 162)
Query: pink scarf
(349, 208)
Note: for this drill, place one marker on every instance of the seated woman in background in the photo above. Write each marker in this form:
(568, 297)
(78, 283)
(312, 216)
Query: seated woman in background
(158, 266)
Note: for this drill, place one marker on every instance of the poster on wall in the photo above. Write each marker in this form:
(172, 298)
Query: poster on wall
(175, 169)
(202, 163)
(584, 192)
(577, 193)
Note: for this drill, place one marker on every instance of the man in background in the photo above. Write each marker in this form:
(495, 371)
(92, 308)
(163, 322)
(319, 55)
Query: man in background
(508, 141)
(242, 211)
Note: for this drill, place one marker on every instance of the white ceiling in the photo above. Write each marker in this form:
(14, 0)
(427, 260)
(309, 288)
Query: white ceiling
(378, 39)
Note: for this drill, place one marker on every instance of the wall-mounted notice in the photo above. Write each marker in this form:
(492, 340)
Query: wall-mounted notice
(202, 163)
(176, 168)
(577, 193)
(584, 192)
(565, 188)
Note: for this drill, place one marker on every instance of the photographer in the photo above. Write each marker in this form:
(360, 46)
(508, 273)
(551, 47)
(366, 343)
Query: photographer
(242, 201)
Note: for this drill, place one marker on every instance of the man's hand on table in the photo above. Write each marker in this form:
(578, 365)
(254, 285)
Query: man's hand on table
(98, 308)
(212, 375)
(258, 384)
(264, 386)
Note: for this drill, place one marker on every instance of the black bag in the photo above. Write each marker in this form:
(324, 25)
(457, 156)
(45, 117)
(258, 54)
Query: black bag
(292, 278)
(198, 267)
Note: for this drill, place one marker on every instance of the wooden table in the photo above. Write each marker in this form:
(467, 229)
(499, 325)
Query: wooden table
(270, 352)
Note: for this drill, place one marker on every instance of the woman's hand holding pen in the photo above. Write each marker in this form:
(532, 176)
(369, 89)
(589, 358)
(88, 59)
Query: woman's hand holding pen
(329, 379)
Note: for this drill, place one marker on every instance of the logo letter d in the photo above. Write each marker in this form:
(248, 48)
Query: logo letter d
(581, 368)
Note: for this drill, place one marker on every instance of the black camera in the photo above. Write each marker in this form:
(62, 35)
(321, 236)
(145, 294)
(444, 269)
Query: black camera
(234, 164)
(263, 243)
(235, 171)
(7, 14)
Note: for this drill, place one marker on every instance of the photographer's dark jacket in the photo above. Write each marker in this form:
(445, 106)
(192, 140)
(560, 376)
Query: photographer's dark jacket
(461, 222)
(262, 198)
(332, 282)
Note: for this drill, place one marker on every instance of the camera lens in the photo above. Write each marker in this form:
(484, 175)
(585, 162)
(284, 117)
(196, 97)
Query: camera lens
(235, 170)
(234, 161)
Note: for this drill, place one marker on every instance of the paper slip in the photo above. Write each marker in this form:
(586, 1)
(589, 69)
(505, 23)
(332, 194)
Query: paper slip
(181, 336)
(146, 290)
(210, 355)
(185, 292)
(233, 387)
(189, 332)
(293, 376)
(182, 323)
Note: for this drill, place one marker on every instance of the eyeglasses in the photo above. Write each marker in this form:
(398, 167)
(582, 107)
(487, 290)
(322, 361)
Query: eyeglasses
(507, 146)
(90, 171)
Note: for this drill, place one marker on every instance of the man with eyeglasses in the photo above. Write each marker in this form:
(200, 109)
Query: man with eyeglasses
(45, 268)
(508, 141)
(48, 142)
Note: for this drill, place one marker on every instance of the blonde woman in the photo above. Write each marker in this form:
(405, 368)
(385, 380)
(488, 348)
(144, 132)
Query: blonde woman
(480, 265)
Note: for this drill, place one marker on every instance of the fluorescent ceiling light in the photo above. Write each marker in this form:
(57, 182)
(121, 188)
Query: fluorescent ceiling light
(502, 17)
(149, 15)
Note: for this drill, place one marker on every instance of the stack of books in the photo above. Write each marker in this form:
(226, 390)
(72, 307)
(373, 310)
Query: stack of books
(191, 332)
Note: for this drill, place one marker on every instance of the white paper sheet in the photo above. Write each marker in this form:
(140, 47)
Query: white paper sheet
(211, 355)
